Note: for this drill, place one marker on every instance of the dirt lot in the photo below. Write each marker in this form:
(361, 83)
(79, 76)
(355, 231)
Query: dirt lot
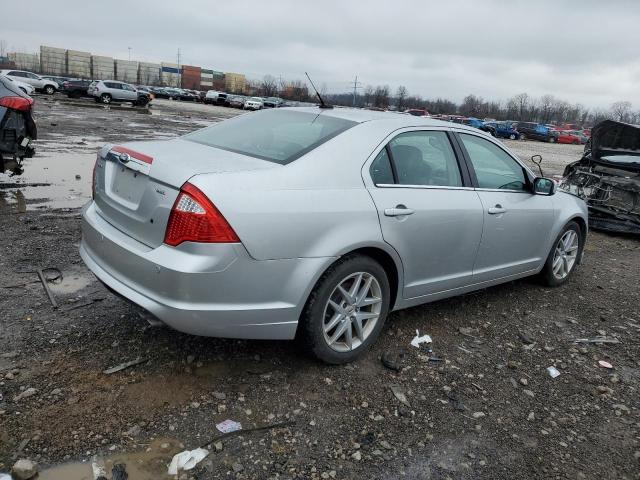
(489, 409)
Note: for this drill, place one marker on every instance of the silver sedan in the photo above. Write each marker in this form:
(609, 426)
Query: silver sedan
(315, 223)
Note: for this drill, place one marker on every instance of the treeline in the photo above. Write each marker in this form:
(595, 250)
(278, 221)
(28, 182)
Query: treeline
(521, 107)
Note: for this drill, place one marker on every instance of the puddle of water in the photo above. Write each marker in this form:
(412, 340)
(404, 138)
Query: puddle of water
(148, 465)
(50, 181)
(71, 282)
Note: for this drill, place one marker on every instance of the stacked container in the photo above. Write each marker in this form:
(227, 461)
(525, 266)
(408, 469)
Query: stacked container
(170, 74)
(53, 61)
(26, 61)
(127, 71)
(191, 77)
(206, 79)
(234, 82)
(102, 68)
(78, 64)
(148, 73)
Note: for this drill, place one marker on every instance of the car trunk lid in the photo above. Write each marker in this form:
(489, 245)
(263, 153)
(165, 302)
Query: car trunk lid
(136, 184)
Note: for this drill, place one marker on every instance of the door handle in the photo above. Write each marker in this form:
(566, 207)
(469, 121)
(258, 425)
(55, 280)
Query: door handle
(399, 211)
(496, 210)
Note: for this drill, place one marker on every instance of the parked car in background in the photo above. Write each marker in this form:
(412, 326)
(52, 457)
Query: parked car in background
(235, 101)
(583, 138)
(214, 97)
(504, 130)
(17, 128)
(417, 112)
(329, 255)
(108, 91)
(160, 92)
(58, 80)
(567, 136)
(253, 103)
(535, 131)
(24, 87)
(272, 102)
(36, 81)
(76, 88)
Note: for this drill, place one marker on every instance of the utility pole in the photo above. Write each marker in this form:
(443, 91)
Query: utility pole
(129, 53)
(355, 90)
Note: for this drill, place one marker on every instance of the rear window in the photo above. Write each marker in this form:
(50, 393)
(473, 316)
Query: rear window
(279, 136)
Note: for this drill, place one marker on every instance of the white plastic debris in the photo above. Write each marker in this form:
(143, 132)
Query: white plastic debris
(186, 460)
(605, 364)
(417, 340)
(5, 476)
(229, 426)
(553, 372)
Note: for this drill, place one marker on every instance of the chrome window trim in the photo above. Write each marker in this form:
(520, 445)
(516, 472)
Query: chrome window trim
(439, 187)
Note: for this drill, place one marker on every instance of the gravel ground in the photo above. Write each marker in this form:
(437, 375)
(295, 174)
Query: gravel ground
(488, 409)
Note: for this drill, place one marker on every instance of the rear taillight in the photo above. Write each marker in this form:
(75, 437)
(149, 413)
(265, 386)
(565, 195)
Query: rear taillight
(194, 218)
(16, 103)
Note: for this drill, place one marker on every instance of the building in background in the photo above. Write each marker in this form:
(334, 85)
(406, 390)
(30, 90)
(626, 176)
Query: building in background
(148, 73)
(53, 61)
(234, 82)
(25, 61)
(170, 74)
(191, 77)
(126, 71)
(102, 68)
(78, 64)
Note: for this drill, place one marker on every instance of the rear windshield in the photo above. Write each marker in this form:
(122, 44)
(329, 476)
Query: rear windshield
(279, 136)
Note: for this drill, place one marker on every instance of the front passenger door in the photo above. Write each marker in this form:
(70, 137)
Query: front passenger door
(516, 222)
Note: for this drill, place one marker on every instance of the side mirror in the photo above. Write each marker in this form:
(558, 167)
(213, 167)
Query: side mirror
(544, 186)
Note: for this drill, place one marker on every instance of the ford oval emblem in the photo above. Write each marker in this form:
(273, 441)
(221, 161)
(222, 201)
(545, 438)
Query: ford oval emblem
(124, 157)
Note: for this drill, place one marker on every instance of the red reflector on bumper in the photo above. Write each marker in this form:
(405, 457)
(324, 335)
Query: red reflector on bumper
(133, 154)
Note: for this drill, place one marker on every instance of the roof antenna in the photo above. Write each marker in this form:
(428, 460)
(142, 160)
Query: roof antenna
(322, 104)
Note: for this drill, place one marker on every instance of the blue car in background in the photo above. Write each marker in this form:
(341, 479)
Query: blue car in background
(503, 130)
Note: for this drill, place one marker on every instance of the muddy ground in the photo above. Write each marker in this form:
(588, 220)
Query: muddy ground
(488, 409)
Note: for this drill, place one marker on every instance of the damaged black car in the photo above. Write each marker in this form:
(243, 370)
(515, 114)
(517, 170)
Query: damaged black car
(17, 128)
(607, 177)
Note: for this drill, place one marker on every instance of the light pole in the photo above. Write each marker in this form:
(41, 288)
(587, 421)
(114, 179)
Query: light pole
(129, 53)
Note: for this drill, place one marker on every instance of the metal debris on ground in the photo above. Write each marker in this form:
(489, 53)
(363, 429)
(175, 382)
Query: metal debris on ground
(247, 430)
(398, 392)
(44, 280)
(417, 340)
(186, 460)
(596, 340)
(553, 372)
(122, 366)
(605, 364)
(393, 361)
(229, 426)
(526, 338)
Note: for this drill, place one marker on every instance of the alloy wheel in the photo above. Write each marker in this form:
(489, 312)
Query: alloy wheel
(565, 254)
(352, 311)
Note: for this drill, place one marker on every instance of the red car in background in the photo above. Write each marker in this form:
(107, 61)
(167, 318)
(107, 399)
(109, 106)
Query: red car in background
(417, 112)
(564, 136)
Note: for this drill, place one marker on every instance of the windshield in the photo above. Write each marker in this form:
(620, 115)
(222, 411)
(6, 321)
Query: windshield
(279, 136)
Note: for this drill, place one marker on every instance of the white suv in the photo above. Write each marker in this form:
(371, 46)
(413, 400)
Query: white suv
(36, 81)
(107, 91)
(253, 103)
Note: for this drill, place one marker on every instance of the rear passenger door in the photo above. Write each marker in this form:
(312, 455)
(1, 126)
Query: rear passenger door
(427, 209)
(516, 221)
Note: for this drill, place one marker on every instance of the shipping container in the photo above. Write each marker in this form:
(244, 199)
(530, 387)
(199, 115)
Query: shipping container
(127, 71)
(78, 64)
(53, 61)
(25, 61)
(234, 82)
(170, 74)
(148, 73)
(102, 68)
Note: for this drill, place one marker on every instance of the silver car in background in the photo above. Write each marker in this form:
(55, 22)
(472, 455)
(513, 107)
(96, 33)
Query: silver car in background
(316, 223)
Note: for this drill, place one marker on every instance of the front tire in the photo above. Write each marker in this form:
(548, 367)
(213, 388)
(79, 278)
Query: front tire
(49, 90)
(564, 256)
(346, 310)
(105, 98)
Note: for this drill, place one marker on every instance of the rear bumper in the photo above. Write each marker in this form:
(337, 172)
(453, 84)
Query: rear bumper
(202, 289)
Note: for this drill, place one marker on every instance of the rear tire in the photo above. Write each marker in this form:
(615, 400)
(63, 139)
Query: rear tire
(564, 256)
(49, 90)
(360, 318)
(512, 136)
(105, 98)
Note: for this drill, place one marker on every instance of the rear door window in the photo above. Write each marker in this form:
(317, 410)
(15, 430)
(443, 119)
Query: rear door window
(425, 158)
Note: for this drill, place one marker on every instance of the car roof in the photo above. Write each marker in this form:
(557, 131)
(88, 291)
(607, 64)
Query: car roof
(363, 115)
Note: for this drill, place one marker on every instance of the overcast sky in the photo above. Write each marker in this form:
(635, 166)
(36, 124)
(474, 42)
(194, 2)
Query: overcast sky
(582, 51)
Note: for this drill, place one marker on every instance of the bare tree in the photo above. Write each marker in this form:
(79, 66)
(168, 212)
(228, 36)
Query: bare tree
(269, 86)
(381, 96)
(621, 110)
(401, 96)
(522, 103)
(368, 95)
